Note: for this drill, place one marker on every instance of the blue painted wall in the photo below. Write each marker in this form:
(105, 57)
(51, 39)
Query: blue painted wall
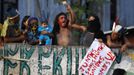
(125, 11)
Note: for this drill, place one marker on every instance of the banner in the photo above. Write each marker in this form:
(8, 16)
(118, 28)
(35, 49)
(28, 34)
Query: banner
(23, 59)
(98, 59)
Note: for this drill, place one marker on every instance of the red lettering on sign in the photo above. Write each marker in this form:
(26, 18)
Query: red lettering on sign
(99, 61)
(110, 56)
(104, 66)
(101, 47)
(85, 64)
(82, 69)
(87, 57)
(101, 71)
(90, 66)
(94, 54)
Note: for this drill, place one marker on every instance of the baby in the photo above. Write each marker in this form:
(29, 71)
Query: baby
(44, 31)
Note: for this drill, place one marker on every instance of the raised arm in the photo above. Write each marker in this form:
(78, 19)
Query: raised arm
(79, 27)
(71, 15)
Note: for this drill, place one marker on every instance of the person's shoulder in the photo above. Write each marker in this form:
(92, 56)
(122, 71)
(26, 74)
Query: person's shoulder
(108, 36)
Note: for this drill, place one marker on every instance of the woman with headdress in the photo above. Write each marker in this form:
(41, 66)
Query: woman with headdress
(118, 39)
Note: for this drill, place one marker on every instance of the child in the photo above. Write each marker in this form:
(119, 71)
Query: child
(44, 31)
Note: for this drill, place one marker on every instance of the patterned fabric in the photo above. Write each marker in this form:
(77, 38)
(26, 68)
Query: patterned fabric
(32, 34)
(31, 37)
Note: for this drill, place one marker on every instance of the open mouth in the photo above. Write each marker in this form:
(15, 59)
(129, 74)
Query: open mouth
(64, 24)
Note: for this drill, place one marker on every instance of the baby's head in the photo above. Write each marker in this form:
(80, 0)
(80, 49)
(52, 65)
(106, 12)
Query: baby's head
(44, 24)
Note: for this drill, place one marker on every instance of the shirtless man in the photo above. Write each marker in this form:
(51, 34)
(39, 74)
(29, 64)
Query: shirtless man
(62, 28)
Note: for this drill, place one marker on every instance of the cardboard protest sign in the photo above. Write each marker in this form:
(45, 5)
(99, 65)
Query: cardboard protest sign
(98, 59)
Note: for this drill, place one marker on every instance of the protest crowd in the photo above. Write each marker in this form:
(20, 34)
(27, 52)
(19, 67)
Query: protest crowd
(34, 31)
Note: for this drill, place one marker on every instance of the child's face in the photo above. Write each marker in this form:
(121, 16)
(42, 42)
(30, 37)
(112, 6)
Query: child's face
(44, 24)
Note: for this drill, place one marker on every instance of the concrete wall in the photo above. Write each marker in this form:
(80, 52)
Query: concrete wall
(34, 60)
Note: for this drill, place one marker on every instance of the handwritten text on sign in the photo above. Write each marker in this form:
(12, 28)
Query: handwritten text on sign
(98, 59)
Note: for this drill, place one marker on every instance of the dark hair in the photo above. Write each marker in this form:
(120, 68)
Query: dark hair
(43, 22)
(122, 34)
(119, 72)
(32, 18)
(56, 27)
(11, 12)
(31, 25)
(23, 27)
(94, 26)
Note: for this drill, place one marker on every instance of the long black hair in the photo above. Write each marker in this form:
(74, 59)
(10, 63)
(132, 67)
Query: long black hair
(56, 27)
